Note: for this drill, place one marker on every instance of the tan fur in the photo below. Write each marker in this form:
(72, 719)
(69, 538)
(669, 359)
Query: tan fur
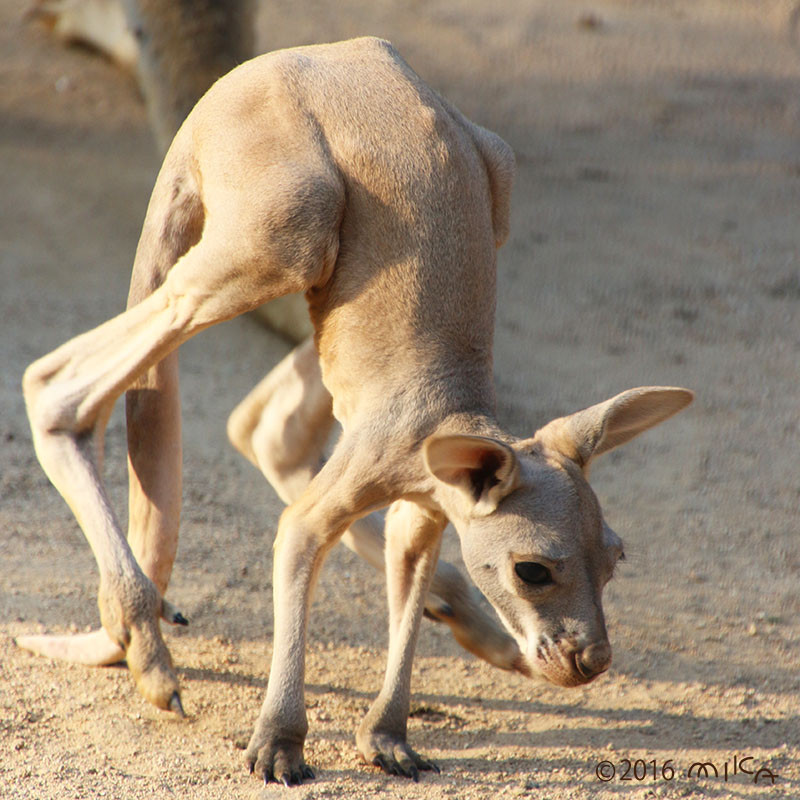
(336, 171)
(178, 50)
(282, 427)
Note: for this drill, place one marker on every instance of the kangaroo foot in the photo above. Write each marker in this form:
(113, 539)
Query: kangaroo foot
(279, 760)
(130, 611)
(392, 754)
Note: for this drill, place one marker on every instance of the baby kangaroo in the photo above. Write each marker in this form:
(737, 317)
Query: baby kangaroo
(335, 171)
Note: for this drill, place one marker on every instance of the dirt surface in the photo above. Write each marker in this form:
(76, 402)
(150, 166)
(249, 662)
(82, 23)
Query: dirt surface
(654, 240)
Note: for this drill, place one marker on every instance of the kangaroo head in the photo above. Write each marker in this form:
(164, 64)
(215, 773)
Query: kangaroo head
(532, 533)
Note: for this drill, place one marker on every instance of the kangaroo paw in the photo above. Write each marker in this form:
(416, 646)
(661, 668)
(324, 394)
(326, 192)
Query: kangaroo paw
(393, 755)
(150, 665)
(130, 610)
(279, 761)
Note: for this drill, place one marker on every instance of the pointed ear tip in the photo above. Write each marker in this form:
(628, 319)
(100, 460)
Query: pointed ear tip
(685, 396)
(678, 394)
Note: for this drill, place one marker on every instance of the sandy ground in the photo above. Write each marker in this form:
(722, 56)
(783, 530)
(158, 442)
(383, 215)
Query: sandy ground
(654, 240)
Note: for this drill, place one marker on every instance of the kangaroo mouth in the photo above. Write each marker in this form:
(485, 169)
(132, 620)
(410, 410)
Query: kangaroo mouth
(561, 666)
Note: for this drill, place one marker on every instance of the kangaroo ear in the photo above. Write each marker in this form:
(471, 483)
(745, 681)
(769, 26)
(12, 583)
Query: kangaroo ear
(484, 469)
(595, 430)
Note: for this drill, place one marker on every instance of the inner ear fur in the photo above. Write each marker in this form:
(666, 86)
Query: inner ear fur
(484, 469)
(596, 430)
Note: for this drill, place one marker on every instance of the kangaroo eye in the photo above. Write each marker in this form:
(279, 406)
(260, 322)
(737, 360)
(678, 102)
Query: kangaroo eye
(533, 573)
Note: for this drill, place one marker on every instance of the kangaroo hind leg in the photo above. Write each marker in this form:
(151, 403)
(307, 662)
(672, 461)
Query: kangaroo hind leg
(239, 262)
(173, 225)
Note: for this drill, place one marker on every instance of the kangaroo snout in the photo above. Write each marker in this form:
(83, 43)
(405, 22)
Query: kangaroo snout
(593, 660)
(564, 662)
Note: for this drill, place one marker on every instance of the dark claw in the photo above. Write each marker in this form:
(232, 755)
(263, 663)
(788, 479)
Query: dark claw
(179, 619)
(308, 773)
(252, 766)
(176, 705)
(413, 773)
(389, 767)
(292, 779)
(380, 761)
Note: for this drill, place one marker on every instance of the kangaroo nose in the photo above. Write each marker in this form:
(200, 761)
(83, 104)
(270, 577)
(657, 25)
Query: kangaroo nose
(594, 659)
